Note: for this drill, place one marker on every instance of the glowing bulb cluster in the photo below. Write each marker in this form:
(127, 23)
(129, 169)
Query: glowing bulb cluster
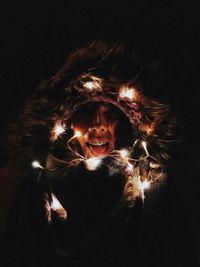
(144, 185)
(55, 203)
(129, 167)
(144, 144)
(154, 165)
(35, 164)
(77, 134)
(123, 153)
(93, 84)
(57, 130)
(127, 93)
(92, 163)
(58, 208)
(90, 85)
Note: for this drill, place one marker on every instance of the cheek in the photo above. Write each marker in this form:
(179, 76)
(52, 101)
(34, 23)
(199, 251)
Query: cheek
(82, 122)
(82, 143)
(112, 127)
(83, 138)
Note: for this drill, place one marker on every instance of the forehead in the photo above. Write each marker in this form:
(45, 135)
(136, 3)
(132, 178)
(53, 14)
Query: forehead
(93, 107)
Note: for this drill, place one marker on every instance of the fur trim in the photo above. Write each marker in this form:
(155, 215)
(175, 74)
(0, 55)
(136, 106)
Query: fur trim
(111, 69)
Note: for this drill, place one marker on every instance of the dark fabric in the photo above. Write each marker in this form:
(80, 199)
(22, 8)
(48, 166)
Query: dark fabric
(100, 230)
(9, 183)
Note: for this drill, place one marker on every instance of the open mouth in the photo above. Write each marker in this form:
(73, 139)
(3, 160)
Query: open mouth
(98, 148)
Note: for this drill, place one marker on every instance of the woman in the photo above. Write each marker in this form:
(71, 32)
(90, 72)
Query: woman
(93, 150)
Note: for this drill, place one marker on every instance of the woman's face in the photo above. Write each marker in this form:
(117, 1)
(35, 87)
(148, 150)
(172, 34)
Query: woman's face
(97, 125)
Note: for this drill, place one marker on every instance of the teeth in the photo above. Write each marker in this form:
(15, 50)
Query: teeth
(98, 143)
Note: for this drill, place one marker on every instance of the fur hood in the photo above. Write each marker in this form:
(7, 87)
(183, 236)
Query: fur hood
(95, 73)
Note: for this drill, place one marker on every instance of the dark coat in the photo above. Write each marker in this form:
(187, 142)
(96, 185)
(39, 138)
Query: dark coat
(100, 230)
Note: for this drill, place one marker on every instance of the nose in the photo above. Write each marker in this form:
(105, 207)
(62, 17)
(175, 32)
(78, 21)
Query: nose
(97, 128)
(99, 122)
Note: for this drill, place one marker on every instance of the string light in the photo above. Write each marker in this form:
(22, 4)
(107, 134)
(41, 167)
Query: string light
(144, 144)
(77, 134)
(89, 85)
(55, 204)
(36, 164)
(93, 84)
(149, 130)
(154, 165)
(58, 208)
(144, 185)
(123, 153)
(92, 163)
(57, 130)
(127, 93)
(129, 167)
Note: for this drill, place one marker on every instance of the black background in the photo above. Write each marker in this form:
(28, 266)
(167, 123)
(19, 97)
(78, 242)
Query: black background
(37, 37)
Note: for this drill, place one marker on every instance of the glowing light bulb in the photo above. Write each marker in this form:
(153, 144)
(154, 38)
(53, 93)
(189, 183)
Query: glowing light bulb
(92, 164)
(154, 165)
(55, 203)
(149, 130)
(126, 92)
(77, 134)
(144, 185)
(56, 206)
(129, 167)
(36, 164)
(89, 85)
(144, 144)
(94, 83)
(123, 153)
(59, 129)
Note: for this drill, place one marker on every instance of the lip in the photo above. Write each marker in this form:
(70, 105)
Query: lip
(98, 147)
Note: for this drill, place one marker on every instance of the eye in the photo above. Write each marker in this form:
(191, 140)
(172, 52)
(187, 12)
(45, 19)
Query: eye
(82, 120)
(110, 115)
